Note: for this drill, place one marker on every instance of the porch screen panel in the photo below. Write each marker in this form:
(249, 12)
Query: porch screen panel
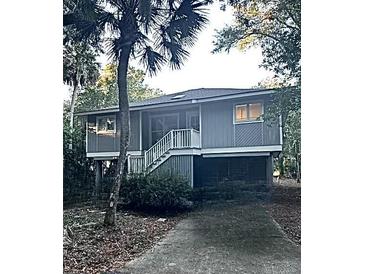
(161, 125)
(157, 129)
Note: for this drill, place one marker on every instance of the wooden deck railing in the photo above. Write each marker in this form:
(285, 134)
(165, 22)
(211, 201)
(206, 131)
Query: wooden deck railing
(136, 164)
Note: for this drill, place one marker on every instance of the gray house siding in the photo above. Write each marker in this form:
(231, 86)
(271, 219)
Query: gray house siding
(219, 129)
(271, 132)
(217, 126)
(178, 165)
(145, 131)
(91, 134)
(134, 140)
(109, 142)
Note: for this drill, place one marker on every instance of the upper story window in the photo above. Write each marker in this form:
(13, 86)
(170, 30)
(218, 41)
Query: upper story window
(105, 124)
(248, 112)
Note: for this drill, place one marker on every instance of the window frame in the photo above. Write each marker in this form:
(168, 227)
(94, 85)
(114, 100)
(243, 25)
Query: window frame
(98, 118)
(247, 104)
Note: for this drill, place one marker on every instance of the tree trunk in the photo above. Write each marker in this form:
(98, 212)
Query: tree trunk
(98, 177)
(124, 135)
(282, 121)
(73, 102)
(281, 164)
(298, 164)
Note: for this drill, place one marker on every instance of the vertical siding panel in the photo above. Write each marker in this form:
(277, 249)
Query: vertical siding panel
(176, 164)
(271, 134)
(134, 140)
(91, 142)
(217, 125)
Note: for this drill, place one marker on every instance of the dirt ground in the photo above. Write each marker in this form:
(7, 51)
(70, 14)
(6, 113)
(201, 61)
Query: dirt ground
(89, 247)
(286, 207)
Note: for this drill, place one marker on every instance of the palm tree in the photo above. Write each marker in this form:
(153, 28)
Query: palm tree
(154, 31)
(79, 69)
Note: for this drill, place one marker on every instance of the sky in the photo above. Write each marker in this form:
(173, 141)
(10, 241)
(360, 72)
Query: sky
(203, 69)
(235, 69)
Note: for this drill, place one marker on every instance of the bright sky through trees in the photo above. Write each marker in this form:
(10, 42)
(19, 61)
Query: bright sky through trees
(204, 69)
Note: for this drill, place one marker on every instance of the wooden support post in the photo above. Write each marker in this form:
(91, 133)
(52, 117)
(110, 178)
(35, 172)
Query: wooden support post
(269, 170)
(98, 177)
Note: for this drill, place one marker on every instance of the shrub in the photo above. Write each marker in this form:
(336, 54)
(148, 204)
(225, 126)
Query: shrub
(78, 171)
(162, 193)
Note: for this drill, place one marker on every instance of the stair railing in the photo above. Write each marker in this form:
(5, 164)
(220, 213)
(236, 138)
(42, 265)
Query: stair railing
(174, 139)
(158, 149)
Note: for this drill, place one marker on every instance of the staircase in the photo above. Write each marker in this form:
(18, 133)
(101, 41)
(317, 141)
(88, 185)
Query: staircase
(161, 151)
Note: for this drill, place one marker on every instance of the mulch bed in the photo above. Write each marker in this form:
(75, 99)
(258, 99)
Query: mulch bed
(90, 247)
(285, 208)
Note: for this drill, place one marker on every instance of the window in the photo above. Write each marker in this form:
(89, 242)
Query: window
(255, 111)
(241, 113)
(105, 124)
(248, 112)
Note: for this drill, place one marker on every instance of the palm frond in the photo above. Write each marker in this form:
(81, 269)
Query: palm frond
(175, 52)
(189, 18)
(152, 60)
(180, 31)
(95, 26)
(113, 48)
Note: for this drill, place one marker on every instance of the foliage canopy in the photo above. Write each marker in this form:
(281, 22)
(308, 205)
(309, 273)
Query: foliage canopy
(105, 92)
(274, 25)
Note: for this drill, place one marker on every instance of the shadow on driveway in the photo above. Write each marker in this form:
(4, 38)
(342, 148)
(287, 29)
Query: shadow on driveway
(222, 238)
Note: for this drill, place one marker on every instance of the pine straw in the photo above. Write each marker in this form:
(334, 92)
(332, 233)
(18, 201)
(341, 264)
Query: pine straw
(90, 247)
(285, 208)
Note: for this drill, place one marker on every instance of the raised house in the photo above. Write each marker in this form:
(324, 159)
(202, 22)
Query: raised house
(208, 135)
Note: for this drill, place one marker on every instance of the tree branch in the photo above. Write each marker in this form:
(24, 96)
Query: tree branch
(287, 25)
(263, 34)
(292, 17)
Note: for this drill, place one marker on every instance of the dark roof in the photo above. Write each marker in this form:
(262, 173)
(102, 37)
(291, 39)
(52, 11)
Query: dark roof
(200, 93)
(188, 95)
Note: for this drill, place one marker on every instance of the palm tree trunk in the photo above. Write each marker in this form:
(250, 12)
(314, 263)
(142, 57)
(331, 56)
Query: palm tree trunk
(124, 135)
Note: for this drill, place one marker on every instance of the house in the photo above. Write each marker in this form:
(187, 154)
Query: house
(208, 135)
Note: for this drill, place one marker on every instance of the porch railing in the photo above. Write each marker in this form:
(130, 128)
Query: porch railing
(136, 164)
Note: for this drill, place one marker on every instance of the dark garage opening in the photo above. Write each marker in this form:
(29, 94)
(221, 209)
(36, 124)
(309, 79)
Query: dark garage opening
(211, 171)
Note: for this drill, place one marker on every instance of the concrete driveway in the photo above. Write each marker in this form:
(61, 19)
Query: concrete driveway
(222, 238)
